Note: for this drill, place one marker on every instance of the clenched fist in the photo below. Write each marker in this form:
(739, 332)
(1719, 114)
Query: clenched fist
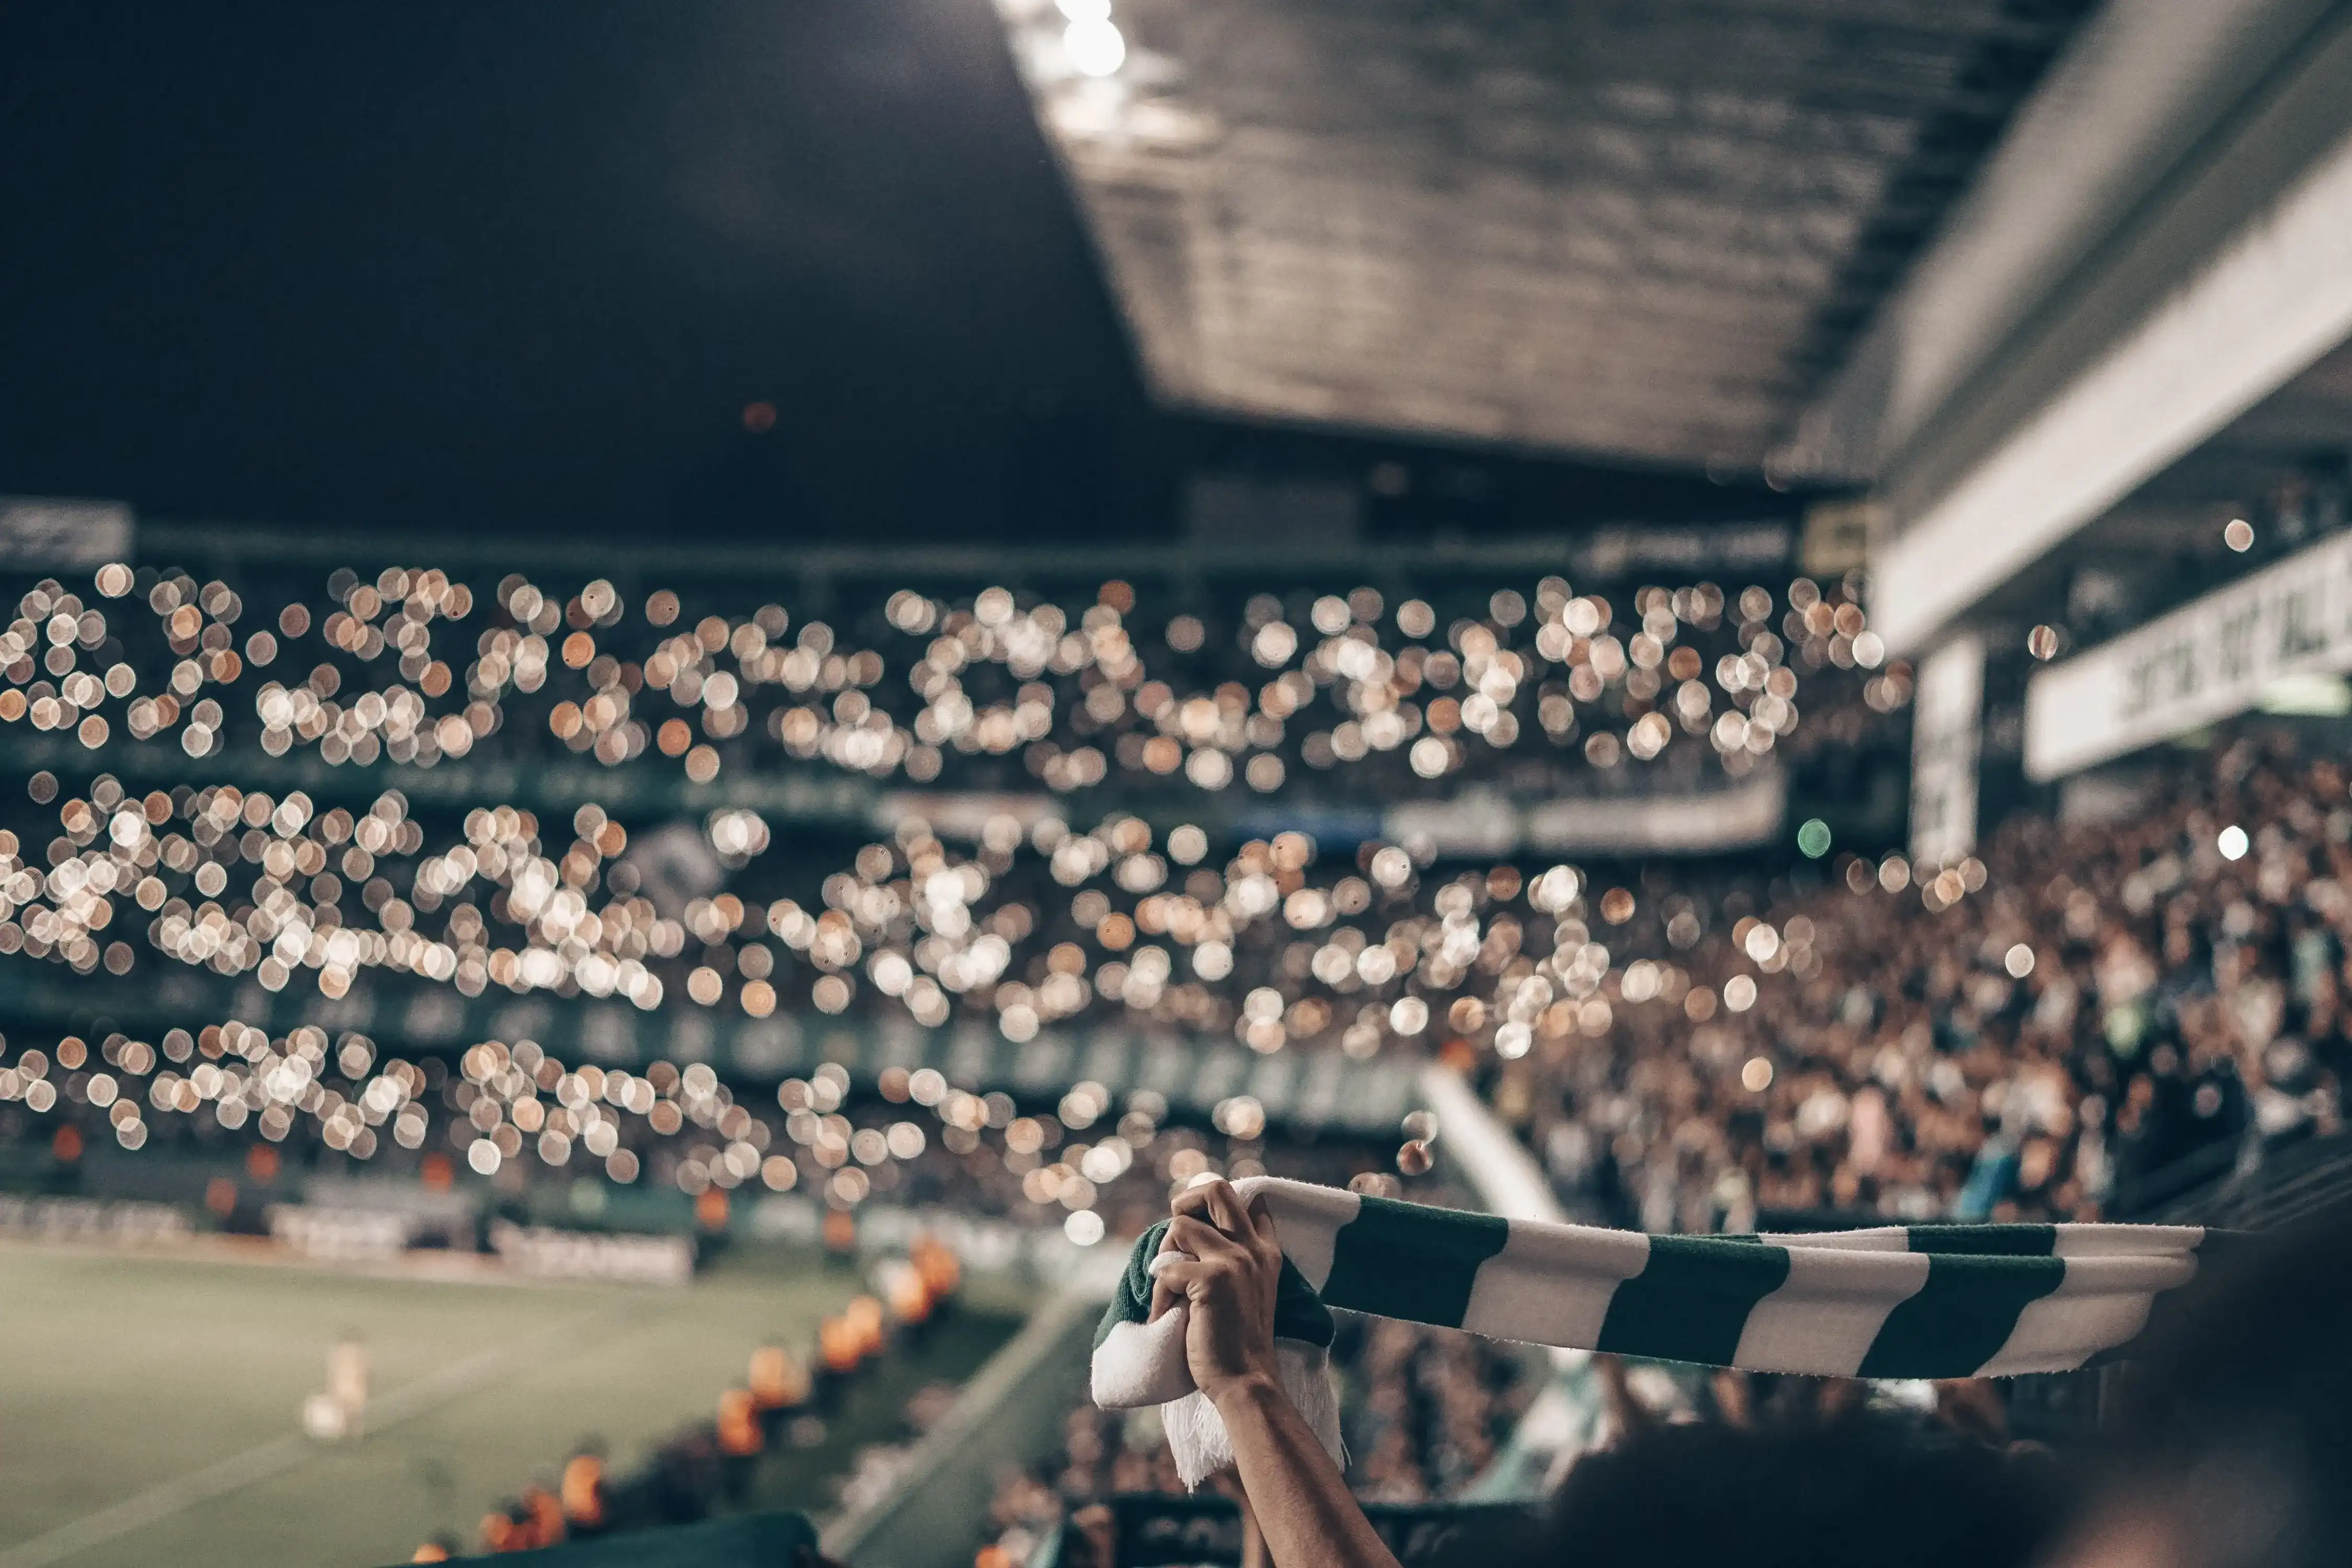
(1222, 1259)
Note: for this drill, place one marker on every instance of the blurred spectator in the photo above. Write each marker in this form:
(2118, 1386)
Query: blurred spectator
(1859, 1485)
(2233, 1441)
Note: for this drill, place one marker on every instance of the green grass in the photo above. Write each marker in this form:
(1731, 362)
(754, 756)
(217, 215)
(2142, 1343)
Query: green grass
(123, 1374)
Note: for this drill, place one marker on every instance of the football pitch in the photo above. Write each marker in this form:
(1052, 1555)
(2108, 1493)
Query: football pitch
(150, 1406)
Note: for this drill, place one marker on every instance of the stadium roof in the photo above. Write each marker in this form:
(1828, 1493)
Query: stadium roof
(1649, 230)
(2304, 426)
(2163, 544)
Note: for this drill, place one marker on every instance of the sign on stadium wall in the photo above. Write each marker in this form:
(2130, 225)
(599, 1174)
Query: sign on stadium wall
(1945, 719)
(2206, 661)
(50, 534)
(1695, 822)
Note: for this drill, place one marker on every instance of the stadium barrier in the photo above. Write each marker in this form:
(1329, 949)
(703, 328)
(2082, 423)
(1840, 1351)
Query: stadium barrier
(1157, 1531)
(545, 1254)
(449, 1219)
(986, 1245)
(337, 1235)
(92, 1220)
(750, 1540)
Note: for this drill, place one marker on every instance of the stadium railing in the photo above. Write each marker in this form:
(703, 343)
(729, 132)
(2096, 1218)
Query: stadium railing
(2248, 1187)
(750, 1540)
(1156, 1530)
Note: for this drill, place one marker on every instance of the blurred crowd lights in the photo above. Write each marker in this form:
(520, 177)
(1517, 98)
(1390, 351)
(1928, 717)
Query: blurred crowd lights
(920, 925)
(1042, 923)
(504, 1102)
(1086, 702)
(1438, 950)
(114, 844)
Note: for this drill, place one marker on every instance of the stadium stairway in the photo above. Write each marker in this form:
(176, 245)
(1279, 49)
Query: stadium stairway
(1565, 1418)
(1010, 1414)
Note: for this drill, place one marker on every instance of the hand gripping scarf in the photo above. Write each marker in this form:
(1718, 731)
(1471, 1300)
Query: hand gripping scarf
(1957, 1301)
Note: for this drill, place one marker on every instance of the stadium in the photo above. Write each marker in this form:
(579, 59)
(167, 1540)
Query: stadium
(1105, 784)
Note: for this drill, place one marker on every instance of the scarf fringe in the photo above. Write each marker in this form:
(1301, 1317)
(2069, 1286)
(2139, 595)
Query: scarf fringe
(1197, 1435)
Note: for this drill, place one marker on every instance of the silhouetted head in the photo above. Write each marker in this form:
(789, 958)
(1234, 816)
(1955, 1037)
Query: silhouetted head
(2233, 1443)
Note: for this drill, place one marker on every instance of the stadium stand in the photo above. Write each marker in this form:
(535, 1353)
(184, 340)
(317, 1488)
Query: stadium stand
(1859, 1045)
(1298, 692)
(2035, 1033)
(1051, 929)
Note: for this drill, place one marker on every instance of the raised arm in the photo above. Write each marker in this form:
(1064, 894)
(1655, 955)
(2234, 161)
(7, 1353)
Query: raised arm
(1225, 1261)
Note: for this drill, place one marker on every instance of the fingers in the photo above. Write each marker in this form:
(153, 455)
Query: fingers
(1201, 1240)
(1194, 1201)
(1200, 1283)
(1163, 1294)
(1189, 1251)
(1262, 1226)
(1226, 1209)
(1189, 1280)
(1218, 1204)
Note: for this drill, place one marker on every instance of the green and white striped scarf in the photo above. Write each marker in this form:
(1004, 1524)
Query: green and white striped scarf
(1985, 1301)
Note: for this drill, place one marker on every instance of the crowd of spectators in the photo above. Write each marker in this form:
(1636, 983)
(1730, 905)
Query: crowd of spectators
(1321, 700)
(1075, 1165)
(2024, 1032)
(2035, 1034)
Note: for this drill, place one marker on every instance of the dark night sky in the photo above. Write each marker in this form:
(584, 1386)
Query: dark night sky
(521, 264)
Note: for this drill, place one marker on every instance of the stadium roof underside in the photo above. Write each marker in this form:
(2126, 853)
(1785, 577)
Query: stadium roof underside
(2162, 243)
(1651, 230)
(2168, 529)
